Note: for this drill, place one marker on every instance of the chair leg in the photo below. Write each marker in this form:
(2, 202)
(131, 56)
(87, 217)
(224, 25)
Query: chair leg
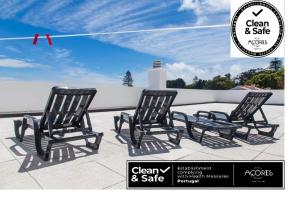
(131, 131)
(243, 136)
(189, 129)
(46, 155)
(118, 123)
(202, 135)
(228, 136)
(38, 141)
(23, 129)
(120, 126)
(116, 120)
(232, 132)
(20, 124)
(138, 145)
(96, 144)
(17, 125)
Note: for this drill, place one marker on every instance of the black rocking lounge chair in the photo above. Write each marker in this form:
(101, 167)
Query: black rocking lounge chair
(64, 113)
(244, 113)
(152, 112)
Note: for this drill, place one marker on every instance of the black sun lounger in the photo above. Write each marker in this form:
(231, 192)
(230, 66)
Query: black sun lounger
(152, 112)
(64, 113)
(244, 113)
(205, 122)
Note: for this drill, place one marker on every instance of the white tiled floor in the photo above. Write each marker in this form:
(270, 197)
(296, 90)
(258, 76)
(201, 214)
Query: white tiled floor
(74, 166)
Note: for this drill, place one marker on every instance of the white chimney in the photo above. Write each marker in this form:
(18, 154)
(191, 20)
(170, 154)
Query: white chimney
(157, 77)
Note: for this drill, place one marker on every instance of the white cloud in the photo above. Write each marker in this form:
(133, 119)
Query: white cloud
(216, 5)
(193, 5)
(190, 5)
(184, 71)
(15, 63)
(13, 49)
(201, 9)
(217, 69)
(80, 76)
(235, 69)
(8, 9)
(62, 53)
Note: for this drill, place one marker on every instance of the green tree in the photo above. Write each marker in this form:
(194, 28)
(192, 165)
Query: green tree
(200, 84)
(127, 80)
(219, 82)
(195, 79)
(228, 76)
(275, 64)
(269, 79)
(196, 84)
(178, 83)
(243, 77)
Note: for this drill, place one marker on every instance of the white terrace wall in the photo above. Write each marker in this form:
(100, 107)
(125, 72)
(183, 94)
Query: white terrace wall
(21, 96)
(235, 96)
(191, 96)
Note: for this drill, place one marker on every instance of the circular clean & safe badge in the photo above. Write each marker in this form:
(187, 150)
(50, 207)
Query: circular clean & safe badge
(257, 28)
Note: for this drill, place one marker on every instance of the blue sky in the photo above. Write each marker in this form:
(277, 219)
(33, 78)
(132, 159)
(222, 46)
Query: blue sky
(105, 59)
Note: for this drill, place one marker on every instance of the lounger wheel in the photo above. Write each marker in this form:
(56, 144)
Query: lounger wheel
(270, 133)
(228, 136)
(96, 144)
(241, 135)
(177, 139)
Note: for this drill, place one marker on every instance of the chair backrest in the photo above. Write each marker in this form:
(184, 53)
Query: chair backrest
(251, 103)
(66, 107)
(153, 106)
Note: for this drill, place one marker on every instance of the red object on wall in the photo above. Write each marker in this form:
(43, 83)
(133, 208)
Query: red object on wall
(49, 39)
(35, 39)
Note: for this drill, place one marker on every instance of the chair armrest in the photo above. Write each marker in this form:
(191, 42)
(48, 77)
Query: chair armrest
(179, 113)
(125, 116)
(201, 113)
(31, 120)
(217, 115)
(30, 117)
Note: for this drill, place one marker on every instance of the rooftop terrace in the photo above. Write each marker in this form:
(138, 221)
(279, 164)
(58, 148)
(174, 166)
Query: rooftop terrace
(72, 165)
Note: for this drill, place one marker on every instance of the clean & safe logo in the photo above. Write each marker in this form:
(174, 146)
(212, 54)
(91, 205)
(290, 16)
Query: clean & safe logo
(149, 174)
(257, 28)
(140, 174)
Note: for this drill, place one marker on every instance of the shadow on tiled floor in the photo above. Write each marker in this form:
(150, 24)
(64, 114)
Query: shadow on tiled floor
(256, 139)
(150, 144)
(60, 153)
(211, 140)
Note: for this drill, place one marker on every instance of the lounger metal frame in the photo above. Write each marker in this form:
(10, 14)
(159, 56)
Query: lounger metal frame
(206, 122)
(152, 111)
(66, 112)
